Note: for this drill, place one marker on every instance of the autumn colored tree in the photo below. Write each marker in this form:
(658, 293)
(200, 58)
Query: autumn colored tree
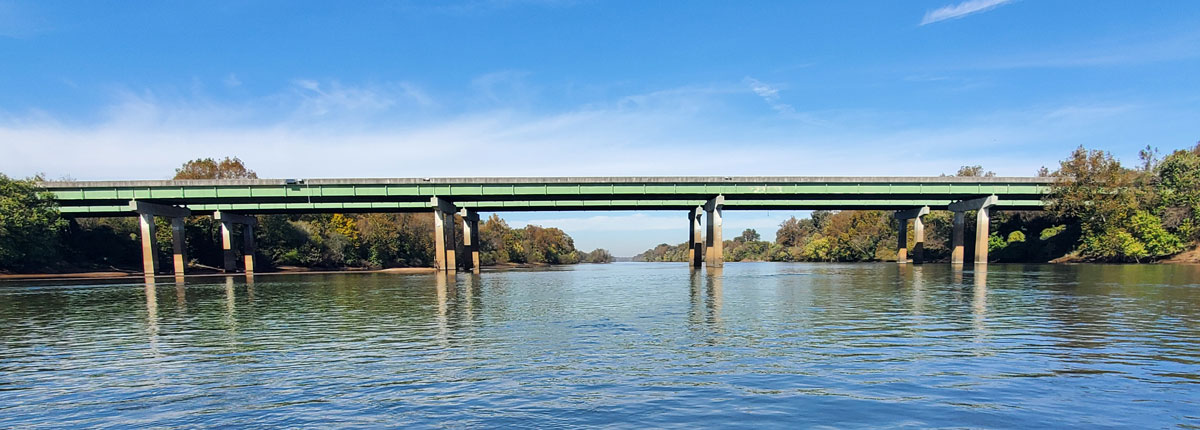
(208, 168)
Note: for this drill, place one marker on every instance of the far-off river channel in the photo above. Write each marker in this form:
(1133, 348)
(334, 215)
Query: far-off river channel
(626, 345)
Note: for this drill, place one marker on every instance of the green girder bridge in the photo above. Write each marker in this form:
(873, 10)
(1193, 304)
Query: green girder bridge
(234, 202)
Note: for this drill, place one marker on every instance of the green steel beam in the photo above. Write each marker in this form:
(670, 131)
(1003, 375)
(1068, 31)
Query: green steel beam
(544, 205)
(534, 189)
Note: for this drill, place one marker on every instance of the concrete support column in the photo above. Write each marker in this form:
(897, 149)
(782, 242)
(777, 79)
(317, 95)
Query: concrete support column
(470, 239)
(982, 205)
(227, 220)
(902, 218)
(146, 212)
(452, 242)
(178, 246)
(439, 240)
(445, 244)
(248, 247)
(956, 239)
(227, 246)
(715, 245)
(695, 238)
(149, 244)
(982, 222)
(918, 256)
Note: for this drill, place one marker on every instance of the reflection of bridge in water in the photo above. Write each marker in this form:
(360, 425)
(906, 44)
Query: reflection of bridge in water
(455, 201)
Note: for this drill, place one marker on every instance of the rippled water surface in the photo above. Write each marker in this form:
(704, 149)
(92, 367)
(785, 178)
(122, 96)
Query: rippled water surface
(625, 345)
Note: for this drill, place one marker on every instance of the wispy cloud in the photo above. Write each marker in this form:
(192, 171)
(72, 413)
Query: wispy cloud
(328, 129)
(960, 10)
(769, 94)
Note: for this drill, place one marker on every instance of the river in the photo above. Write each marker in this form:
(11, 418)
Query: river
(626, 345)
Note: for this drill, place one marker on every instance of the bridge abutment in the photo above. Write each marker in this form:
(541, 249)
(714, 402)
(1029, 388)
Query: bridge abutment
(715, 254)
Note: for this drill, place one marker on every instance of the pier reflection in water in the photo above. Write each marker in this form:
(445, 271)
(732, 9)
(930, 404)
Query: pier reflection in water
(650, 345)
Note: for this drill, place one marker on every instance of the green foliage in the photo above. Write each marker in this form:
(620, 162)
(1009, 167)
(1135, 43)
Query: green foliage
(827, 236)
(996, 243)
(1016, 236)
(1051, 232)
(501, 244)
(1126, 214)
(665, 252)
(29, 226)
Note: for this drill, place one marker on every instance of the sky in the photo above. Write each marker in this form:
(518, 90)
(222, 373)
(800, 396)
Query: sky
(132, 89)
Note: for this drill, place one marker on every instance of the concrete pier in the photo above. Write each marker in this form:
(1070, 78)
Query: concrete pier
(445, 245)
(249, 247)
(227, 220)
(715, 246)
(982, 222)
(918, 240)
(149, 244)
(470, 239)
(956, 240)
(902, 218)
(982, 206)
(146, 212)
(695, 238)
(178, 245)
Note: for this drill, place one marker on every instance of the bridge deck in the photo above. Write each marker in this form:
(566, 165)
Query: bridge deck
(106, 198)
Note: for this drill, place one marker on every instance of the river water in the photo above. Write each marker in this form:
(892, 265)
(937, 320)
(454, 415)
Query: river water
(631, 345)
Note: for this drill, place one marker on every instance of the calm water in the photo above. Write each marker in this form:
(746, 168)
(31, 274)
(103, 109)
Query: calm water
(625, 345)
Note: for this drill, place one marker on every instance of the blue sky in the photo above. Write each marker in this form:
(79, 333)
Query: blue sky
(125, 90)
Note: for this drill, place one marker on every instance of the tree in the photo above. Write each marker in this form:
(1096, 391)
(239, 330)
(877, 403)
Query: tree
(975, 171)
(29, 225)
(208, 168)
(1109, 202)
(1177, 182)
(749, 235)
(599, 256)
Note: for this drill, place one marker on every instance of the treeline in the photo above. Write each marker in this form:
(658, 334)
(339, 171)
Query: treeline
(1098, 210)
(871, 236)
(35, 238)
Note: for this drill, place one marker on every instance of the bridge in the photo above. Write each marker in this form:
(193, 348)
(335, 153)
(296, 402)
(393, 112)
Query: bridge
(703, 199)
